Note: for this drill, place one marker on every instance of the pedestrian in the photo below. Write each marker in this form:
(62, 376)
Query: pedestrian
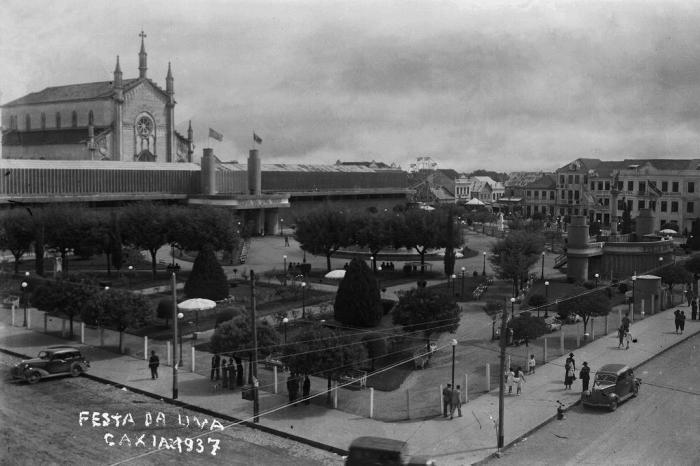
(621, 336)
(456, 402)
(570, 377)
(224, 373)
(306, 390)
(519, 381)
(570, 360)
(286, 240)
(153, 363)
(231, 374)
(446, 398)
(682, 321)
(215, 363)
(510, 376)
(292, 388)
(626, 322)
(694, 309)
(677, 319)
(585, 376)
(628, 339)
(531, 364)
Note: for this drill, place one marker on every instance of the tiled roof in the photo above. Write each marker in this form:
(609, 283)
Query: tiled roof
(521, 179)
(48, 137)
(546, 181)
(85, 91)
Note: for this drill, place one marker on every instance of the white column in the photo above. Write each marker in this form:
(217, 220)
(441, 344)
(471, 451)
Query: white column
(371, 402)
(82, 333)
(544, 352)
(488, 378)
(29, 319)
(642, 313)
(335, 395)
(466, 388)
(592, 329)
(193, 351)
(145, 348)
(561, 340)
(653, 298)
(168, 352)
(274, 372)
(13, 315)
(63, 328)
(508, 364)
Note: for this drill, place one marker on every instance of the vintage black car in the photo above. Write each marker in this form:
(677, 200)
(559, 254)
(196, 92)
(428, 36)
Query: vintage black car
(379, 451)
(613, 383)
(53, 361)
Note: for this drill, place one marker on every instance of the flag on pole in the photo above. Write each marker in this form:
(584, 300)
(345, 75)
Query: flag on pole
(257, 139)
(216, 135)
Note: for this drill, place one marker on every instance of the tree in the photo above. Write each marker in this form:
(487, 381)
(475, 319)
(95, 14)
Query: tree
(372, 232)
(513, 256)
(427, 311)
(191, 228)
(675, 274)
(693, 240)
(590, 304)
(325, 352)
(527, 326)
(144, 226)
(120, 309)
(323, 231)
(16, 234)
(67, 228)
(421, 230)
(376, 347)
(65, 297)
(207, 279)
(692, 265)
(358, 301)
(537, 300)
(165, 309)
(235, 337)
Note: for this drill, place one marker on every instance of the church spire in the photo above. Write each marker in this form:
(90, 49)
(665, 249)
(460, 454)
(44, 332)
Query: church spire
(117, 75)
(169, 82)
(142, 57)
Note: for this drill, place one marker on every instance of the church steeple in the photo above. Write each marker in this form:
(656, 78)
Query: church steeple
(142, 57)
(117, 75)
(169, 82)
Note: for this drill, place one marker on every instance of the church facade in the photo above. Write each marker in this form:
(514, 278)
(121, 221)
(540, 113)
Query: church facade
(120, 120)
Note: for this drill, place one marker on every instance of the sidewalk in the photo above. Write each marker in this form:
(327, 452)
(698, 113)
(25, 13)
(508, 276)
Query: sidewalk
(464, 440)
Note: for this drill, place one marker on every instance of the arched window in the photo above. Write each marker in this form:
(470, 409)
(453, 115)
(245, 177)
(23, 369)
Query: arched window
(74, 119)
(43, 120)
(91, 118)
(58, 120)
(28, 122)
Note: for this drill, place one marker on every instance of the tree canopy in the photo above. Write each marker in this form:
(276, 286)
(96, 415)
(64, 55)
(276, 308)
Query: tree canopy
(587, 305)
(358, 301)
(323, 231)
(16, 234)
(207, 279)
(513, 256)
(145, 226)
(427, 311)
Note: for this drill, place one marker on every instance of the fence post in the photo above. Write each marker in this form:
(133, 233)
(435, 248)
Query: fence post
(652, 304)
(488, 378)
(606, 324)
(335, 395)
(46, 322)
(508, 365)
(408, 405)
(63, 328)
(544, 352)
(642, 309)
(274, 372)
(592, 328)
(561, 340)
(13, 315)
(167, 351)
(466, 388)
(619, 316)
(193, 351)
(145, 348)
(82, 333)
(29, 319)
(371, 402)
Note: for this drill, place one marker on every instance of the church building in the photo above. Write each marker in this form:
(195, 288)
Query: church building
(120, 120)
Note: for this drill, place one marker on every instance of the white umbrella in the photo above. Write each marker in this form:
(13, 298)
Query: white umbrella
(336, 274)
(196, 304)
(668, 231)
(475, 201)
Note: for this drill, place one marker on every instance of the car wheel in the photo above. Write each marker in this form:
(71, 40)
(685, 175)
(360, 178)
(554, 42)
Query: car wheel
(613, 405)
(76, 370)
(34, 377)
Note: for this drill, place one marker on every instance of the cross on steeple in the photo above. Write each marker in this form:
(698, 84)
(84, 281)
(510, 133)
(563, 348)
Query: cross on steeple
(142, 35)
(142, 57)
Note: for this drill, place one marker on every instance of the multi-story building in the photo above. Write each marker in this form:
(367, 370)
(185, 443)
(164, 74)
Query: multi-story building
(483, 188)
(541, 196)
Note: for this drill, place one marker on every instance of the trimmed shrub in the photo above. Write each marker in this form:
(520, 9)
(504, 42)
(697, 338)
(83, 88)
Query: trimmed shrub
(207, 279)
(358, 300)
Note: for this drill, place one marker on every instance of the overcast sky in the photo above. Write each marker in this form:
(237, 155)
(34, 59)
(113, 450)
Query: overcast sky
(502, 85)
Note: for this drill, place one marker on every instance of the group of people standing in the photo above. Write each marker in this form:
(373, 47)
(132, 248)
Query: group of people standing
(225, 371)
(451, 401)
(679, 320)
(515, 377)
(570, 373)
(293, 388)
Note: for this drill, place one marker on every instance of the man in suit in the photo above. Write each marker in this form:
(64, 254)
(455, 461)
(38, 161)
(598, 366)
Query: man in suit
(446, 399)
(456, 402)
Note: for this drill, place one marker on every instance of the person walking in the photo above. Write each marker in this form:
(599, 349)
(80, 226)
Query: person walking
(231, 373)
(626, 322)
(215, 363)
(456, 402)
(694, 309)
(446, 398)
(224, 373)
(677, 319)
(682, 321)
(531, 363)
(570, 377)
(519, 381)
(510, 376)
(621, 336)
(628, 339)
(153, 363)
(292, 388)
(585, 376)
(306, 390)
(286, 241)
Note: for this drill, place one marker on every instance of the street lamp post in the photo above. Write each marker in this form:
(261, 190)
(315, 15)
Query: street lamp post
(454, 345)
(284, 323)
(371, 262)
(634, 302)
(379, 280)
(24, 301)
(454, 279)
(483, 271)
(303, 300)
(512, 308)
(175, 319)
(542, 275)
(596, 276)
(284, 270)
(131, 272)
(180, 315)
(546, 299)
(462, 292)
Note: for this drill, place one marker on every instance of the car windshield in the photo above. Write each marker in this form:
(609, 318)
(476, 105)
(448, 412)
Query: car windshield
(605, 378)
(44, 355)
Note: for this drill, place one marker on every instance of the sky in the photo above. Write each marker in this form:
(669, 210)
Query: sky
(488, 84)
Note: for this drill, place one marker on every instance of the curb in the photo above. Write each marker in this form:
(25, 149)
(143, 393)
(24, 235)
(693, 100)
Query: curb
(208, 412)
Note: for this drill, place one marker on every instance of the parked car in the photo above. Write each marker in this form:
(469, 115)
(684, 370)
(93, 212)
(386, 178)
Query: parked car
(613, 383)
(51, 362)
(366, 451)
(553, 323)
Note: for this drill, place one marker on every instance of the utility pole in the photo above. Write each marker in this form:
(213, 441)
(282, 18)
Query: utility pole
(501, 387)
(256, 400)
(175, 368)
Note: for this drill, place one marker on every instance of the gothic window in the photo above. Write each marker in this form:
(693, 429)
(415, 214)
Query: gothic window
(74, 119)
(28, 122)
(43, 120)
(58, 120)
(91, 118)
(145, 138)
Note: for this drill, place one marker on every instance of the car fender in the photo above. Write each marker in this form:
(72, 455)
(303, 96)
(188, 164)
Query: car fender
(40, 370)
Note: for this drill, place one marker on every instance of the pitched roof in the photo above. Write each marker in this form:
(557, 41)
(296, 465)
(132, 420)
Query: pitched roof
(546, 181)
(85, 91)
(48, 137)
(520, 179)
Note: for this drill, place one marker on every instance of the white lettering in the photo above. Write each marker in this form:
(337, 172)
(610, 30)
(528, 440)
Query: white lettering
(109, 442)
